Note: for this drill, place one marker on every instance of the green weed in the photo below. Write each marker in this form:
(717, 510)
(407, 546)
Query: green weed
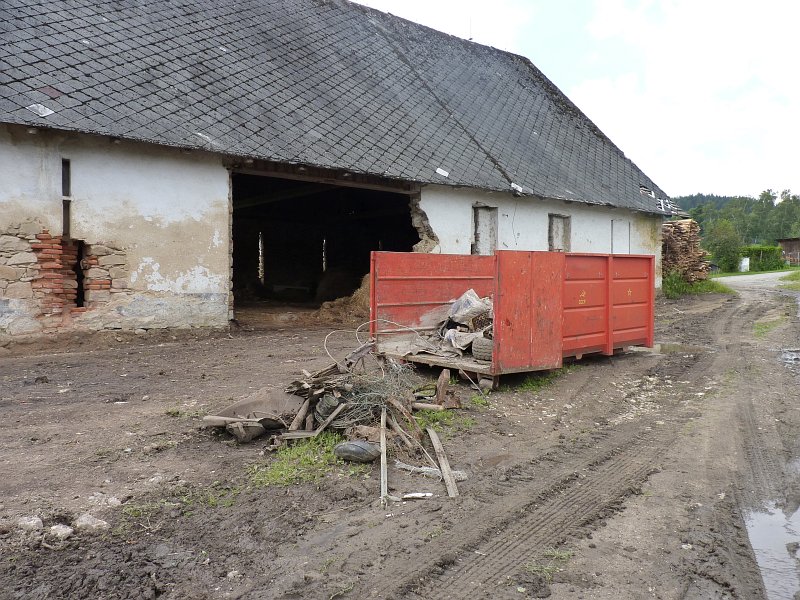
(535, 382)
(554, 563)
(762, 328)
(673, 285)
(443, 421)
(479, 401)
(793, 276)
(794, 286)
(307, 460)
(560, 555)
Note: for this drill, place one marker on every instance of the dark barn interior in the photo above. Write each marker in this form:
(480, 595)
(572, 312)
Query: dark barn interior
(307, 242)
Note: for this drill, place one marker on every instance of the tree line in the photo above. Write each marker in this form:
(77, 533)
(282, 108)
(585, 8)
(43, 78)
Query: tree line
(735, 225)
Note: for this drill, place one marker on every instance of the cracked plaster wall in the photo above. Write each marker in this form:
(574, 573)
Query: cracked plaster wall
(523, 224)
(167, 210)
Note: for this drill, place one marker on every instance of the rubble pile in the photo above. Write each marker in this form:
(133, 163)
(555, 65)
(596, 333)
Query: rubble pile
(367, 406)
(468, 328)
(681, 250)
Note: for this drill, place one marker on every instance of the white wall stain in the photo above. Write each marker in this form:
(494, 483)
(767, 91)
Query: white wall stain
(216, 241)
(197, 280)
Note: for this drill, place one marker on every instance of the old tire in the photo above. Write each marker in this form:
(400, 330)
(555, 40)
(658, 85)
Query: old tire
(482, 348)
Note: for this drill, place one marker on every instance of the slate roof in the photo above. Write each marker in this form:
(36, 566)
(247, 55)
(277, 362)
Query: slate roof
(326, 83)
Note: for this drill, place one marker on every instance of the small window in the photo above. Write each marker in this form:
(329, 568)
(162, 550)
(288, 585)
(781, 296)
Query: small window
(558, 233)
(66, 178)
(485, 230)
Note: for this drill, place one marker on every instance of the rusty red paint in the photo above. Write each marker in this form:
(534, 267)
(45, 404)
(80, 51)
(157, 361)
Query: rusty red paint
(548, 305)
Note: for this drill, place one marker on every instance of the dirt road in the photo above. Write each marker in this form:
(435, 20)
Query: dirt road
(626, 477)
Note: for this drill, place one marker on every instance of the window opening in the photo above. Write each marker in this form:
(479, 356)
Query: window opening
(485, 230)
(66, 178)
(78, 268)
(558, 233)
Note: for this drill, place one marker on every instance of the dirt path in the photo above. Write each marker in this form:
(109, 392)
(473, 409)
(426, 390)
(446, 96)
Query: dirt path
(628, 477)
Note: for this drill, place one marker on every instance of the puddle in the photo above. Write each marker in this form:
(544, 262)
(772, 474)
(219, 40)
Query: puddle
(775, 538)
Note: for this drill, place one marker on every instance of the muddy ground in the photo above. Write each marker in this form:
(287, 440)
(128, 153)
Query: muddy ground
(626, 477)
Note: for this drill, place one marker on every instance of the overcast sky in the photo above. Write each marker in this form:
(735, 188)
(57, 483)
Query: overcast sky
(703, 95)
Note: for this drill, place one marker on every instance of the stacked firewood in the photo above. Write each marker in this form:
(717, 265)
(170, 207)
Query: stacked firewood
(681, 250)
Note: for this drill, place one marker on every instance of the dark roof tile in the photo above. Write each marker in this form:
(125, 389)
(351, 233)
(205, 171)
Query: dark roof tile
(327, 83)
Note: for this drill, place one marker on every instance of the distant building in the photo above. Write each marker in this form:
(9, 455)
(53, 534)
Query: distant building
(791, 249)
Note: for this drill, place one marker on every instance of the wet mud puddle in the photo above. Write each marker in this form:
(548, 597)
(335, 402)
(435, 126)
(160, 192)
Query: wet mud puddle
(775, 538)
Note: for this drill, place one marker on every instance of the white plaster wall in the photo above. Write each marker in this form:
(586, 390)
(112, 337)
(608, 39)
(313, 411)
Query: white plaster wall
(167, 209)
(523, 223)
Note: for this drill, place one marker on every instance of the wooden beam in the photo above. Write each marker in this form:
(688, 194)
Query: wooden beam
(444, 464)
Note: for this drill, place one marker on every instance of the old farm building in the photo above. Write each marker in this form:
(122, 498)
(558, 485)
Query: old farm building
(162, 162)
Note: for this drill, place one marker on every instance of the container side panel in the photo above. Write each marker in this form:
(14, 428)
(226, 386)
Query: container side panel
(528, 325)
(414, 291)
(585, 293)
(631, 296)
(582, 267)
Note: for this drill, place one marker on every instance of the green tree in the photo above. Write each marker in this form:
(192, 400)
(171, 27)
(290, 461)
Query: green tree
(724, 244)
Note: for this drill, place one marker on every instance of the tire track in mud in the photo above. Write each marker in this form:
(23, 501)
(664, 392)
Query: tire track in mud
(575, 488)
(759, 437)
(730, 568)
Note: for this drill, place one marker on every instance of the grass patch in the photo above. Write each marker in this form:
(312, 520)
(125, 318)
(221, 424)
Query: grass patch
(443, 421)
(794, 286)
(535, 382)
(479, 401)
(674, 286)
(306, 460)
(762, 328)
(215, 496)
(793, 276)
(555, 561)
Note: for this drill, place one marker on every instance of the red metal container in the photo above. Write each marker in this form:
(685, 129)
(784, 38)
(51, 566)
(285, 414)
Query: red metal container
(547, 305)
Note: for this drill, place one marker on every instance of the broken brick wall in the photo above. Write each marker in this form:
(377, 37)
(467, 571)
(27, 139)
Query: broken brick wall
(153, 226)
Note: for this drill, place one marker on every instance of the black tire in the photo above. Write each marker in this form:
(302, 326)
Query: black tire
(482, 348)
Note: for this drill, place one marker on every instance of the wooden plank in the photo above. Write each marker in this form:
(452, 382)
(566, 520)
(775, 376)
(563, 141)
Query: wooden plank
(444, 465)
(297, 435)
(427, 406)
(384, 470)
(398, 406)
(441, 385)
(300, 417)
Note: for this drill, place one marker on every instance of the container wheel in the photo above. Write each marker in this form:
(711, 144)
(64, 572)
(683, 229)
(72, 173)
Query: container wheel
(482, 348)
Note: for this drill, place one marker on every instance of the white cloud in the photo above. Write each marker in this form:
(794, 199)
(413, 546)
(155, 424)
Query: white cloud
(715, 107)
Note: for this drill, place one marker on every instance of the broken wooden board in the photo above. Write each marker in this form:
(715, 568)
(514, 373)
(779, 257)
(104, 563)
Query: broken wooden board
(444, 464)
(299, 435)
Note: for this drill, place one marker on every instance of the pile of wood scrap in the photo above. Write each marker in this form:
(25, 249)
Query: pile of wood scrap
(366, 406)
(681, 250)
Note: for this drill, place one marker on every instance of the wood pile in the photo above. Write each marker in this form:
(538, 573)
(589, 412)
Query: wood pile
(681, 252)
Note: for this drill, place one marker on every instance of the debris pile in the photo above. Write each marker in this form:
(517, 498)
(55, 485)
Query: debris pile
(367, 406)
(467, 328)
(681, 250)
(348, 309)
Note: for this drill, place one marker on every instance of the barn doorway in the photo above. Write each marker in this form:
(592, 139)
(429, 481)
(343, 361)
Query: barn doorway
(298, 244)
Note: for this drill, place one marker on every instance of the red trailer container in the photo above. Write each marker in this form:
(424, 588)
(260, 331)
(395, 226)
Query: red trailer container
(547, 305)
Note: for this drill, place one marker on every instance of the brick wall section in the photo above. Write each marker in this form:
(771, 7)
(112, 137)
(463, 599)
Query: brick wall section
(39, 268)
(48, 284)
(106, 272)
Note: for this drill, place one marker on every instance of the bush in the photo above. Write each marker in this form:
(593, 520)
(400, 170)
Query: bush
(724, 243)
(764, 258)
(673, 285)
